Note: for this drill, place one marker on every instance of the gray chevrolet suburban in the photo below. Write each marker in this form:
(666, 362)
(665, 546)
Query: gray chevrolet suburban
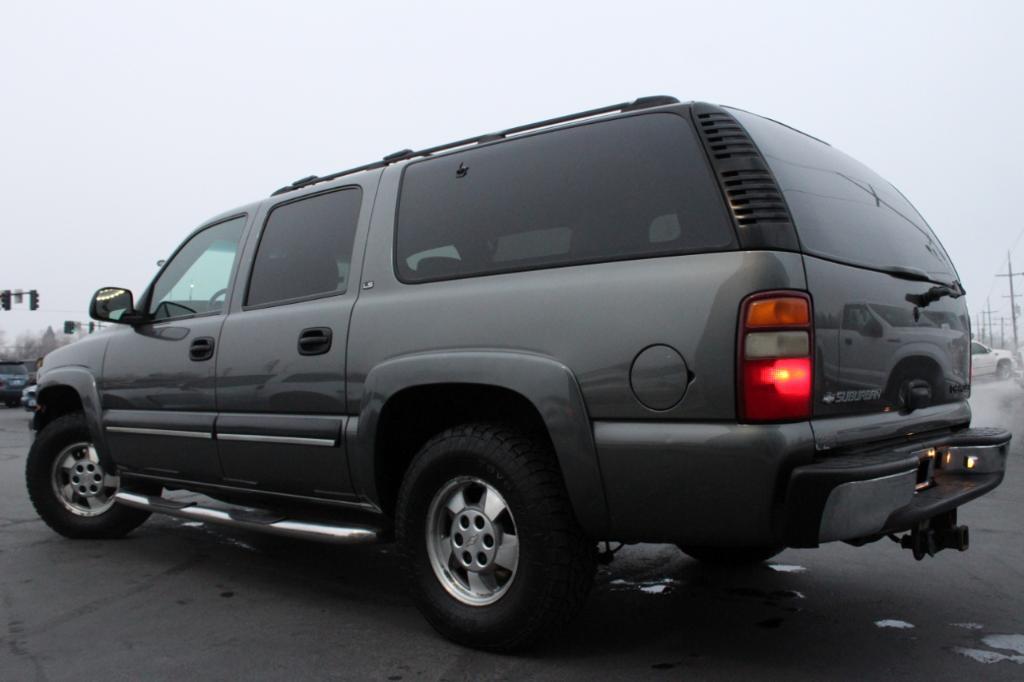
(648, 322)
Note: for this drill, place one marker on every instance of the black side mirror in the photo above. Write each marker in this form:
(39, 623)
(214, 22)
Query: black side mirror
(114, 304)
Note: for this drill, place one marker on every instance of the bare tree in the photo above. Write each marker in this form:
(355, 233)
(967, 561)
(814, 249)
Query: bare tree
(32, 345)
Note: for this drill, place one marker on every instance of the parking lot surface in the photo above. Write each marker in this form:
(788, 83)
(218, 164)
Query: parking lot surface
(186, 600)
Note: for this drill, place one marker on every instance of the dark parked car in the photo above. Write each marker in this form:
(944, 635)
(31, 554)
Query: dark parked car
(13, 380)
(651, 322)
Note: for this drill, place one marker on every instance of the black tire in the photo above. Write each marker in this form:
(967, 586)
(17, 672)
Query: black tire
(1003, 370)
(731, 556)
(12, 403)
(115, 522)
(556, 561)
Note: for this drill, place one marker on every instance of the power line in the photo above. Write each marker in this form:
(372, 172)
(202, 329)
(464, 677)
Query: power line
(47, 310)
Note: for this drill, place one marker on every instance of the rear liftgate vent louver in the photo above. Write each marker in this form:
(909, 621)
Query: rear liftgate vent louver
(755, 201)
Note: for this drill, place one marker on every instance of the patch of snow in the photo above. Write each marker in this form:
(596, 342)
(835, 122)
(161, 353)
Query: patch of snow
(192, 524)
(1007, 642)
(649, 587)
(654, 589)
(985, 656)
(786, 568)
(968, 626)
(239, 543)
(897, 624)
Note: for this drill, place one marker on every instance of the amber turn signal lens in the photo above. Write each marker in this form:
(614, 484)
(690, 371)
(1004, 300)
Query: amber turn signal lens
(779, 312)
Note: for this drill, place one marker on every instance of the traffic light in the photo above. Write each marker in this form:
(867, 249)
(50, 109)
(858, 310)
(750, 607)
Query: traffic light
(69, 327)
(5, 299)
(33, 300)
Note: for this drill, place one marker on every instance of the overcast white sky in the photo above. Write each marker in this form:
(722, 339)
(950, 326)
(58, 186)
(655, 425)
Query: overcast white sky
(125, 125)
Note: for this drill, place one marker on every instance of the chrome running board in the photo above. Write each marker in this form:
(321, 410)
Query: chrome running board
(251, 519)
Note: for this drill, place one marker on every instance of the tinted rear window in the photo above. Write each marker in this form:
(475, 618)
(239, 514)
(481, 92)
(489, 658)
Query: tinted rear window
(627, 188)
(843, 210)
(12, 368)
(306, 248)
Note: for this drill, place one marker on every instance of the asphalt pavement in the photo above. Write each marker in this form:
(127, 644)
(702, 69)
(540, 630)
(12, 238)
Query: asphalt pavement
(178, 600)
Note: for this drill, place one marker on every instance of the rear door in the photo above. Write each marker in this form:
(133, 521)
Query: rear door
(281, 367)
(867, 253)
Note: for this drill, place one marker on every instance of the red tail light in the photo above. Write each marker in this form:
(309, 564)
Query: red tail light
(775, 370)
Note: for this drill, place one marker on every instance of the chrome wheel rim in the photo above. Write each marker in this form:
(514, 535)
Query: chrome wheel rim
(472, 541)
(80, 483)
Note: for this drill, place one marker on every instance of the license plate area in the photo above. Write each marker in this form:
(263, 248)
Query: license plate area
(925, 468)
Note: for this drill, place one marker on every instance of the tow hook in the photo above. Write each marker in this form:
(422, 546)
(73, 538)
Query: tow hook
(934, 535)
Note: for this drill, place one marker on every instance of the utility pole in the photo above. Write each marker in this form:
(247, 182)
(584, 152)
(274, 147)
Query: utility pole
(1002, 332)
(1010, 274)
(988, 321)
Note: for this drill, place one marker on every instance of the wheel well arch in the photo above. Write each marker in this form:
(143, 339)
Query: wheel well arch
(924, 365)
(500, 385)
(413, 415)
(54, 402)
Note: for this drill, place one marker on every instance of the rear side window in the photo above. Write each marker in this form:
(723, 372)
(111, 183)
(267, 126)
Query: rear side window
(629, 188)
(306, 248)
(842, 209)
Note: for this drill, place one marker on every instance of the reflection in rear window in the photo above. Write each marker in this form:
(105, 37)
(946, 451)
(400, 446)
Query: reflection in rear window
(842, 209)
(12, 368)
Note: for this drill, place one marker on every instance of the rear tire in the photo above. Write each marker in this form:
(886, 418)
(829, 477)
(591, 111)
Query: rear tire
(68, 486)
(1003, 370)
(731, 556)
(533, 566)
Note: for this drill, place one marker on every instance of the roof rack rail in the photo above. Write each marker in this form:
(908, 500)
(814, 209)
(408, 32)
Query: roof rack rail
(405, 154)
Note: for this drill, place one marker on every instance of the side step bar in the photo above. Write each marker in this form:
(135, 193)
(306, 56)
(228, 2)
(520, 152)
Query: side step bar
(249, 519)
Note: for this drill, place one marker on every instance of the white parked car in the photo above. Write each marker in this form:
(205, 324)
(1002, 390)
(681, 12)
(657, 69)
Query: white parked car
(28, 398)
(986, 361)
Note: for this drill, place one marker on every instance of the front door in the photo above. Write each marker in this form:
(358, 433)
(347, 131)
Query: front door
(865, 355)
(158, 378)
(281, 364)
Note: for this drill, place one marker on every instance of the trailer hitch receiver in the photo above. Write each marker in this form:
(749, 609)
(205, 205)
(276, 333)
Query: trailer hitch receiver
(934, 535)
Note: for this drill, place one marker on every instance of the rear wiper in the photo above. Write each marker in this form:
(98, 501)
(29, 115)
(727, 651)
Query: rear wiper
(952, 289)
(913, 274)
(935, 293)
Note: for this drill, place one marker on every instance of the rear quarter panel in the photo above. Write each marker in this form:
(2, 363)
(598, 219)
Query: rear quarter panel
(593, 318)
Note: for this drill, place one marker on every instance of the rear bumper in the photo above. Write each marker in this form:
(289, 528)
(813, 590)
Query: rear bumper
(749, 485)
(860, 496)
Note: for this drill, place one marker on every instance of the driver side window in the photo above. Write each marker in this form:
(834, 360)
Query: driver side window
(196, 280)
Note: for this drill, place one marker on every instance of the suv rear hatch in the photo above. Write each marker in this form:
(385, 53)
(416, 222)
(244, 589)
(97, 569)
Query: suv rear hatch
(891, 327)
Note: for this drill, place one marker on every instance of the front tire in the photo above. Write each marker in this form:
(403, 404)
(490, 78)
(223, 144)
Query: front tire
(69, 488)
(492, 551)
